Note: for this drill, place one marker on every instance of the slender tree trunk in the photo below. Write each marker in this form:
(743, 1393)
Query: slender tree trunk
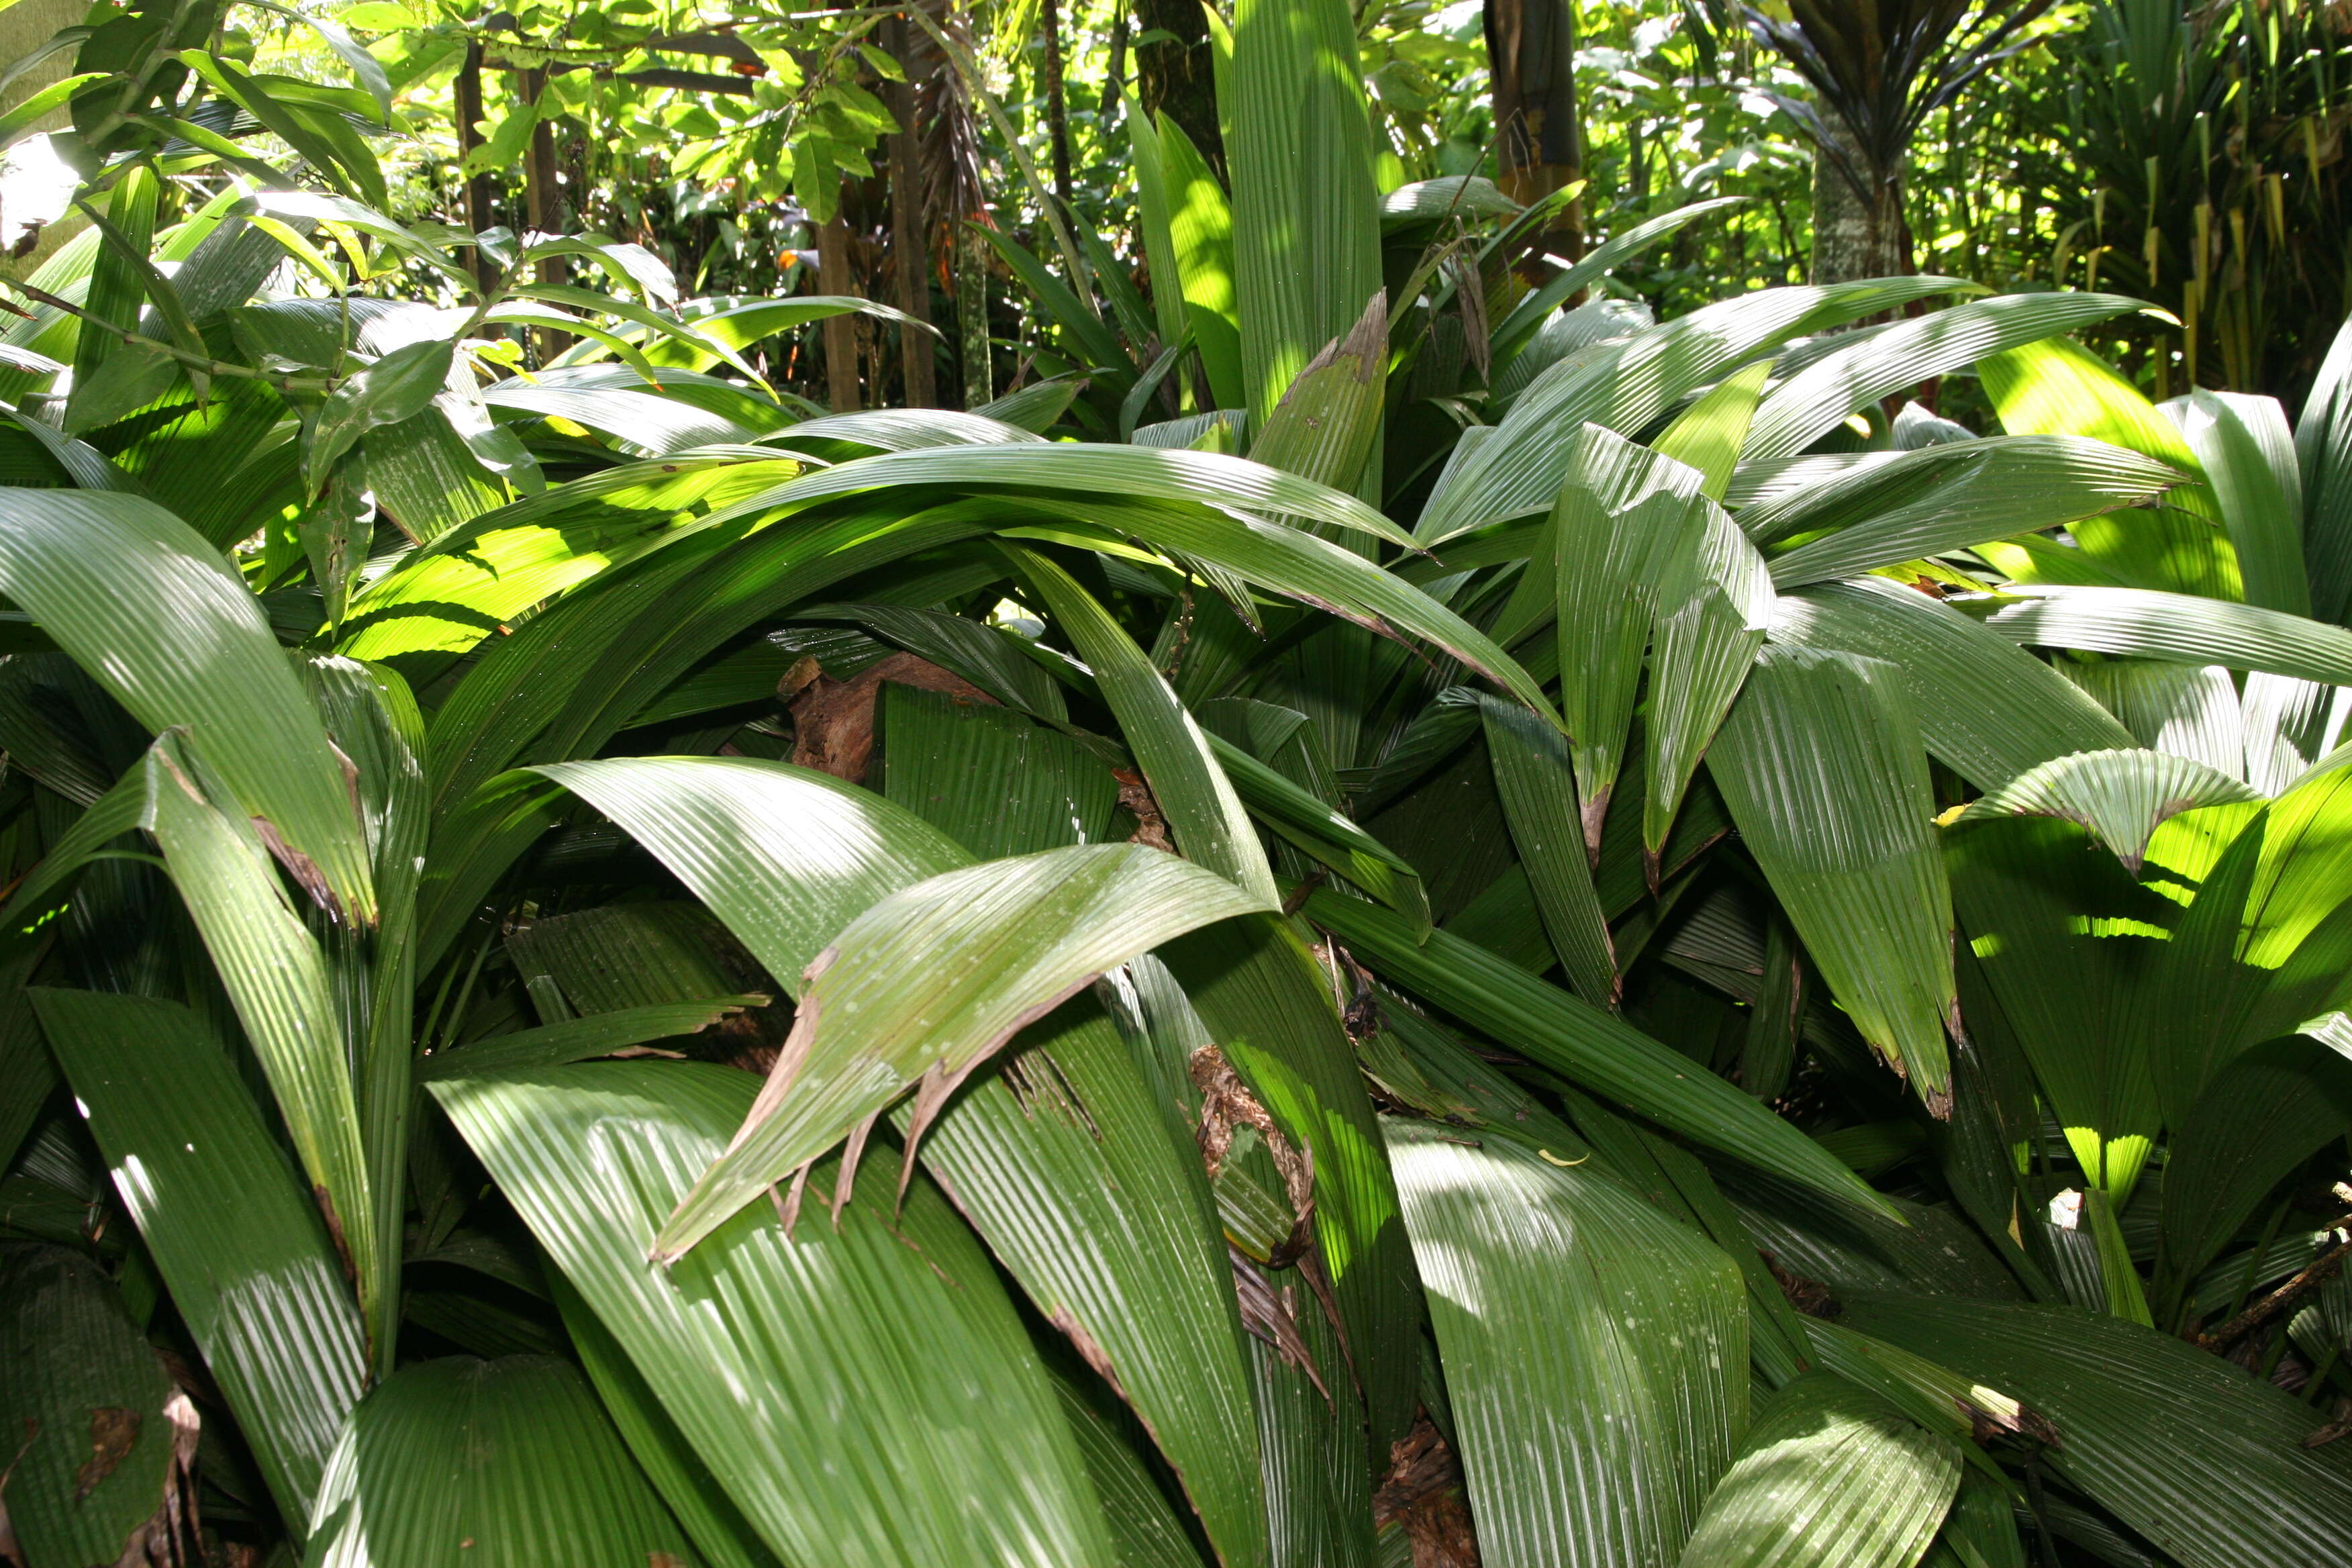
(907, 228)
(1177, 76)
(1531, 56)
(1057, 109)
(972, 310)
(1856, 235)
(481, 214)
(543, 204)
(833, 277)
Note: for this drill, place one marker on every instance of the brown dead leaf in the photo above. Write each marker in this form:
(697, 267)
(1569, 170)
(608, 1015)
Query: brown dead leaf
(833, 720)
(113, 1432)
(1421, 1495)
(1151, 825)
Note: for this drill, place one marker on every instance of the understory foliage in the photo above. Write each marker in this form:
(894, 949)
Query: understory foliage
(1506, 933)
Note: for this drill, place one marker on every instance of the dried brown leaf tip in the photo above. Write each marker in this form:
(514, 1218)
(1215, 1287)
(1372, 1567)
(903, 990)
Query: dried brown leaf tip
(1421, 1495)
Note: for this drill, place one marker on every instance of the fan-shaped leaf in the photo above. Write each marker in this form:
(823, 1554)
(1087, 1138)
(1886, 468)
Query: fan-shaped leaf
(2203, 1460)
(1595, 1352)
(2121, 797)
(1821, 764)
(1830, 1474)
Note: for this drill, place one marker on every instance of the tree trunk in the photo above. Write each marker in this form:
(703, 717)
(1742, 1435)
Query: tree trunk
(543, 205)
(971, 250)
(840, 332)
(1540, 141)
(908, 227)
(1856, 235)
(1177, 76)
(479, 211)
(1057, 110)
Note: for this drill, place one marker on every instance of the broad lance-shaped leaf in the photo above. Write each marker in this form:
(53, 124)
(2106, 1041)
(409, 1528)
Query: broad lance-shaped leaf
(1708, 434)
(1201, 234)
(1262, 997)
(1147, 473)
(1714, 617)
(1312, 570)
(785, 855)
(271, 966)
(1951, 496)
(720, 1532)
(101, 1444)
(2323, 449)
(1322, 832)
(1623, 386)
(2266, 944)
(579, 1039)
(2249, 457)
(1538, 786)
(929, 982)
(157, 618)
(1829, 1475)
(2069, 943)
(757, 1345)
(2122, 797)
(1068, 1170)
(1623, 519)
(460, 1461)
(2258, 1117)
(1307, 239)
(251, 1269)
(2203, 1460)
(1997, 710)
(1192, 792)
(2056, 387)
(2179, 628)
(1595, 1352)
(1061, 1160)
(1870, 366)
(1821, 766)
(1593, 1048)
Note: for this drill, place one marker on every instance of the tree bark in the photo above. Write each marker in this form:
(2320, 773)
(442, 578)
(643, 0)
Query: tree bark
(1057, 109)
(840, 332)
(971, 251)
(1177, 76)
(1539, 139)
(479, 211)
(1856, 233)
(908, 227)
(543, 204)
